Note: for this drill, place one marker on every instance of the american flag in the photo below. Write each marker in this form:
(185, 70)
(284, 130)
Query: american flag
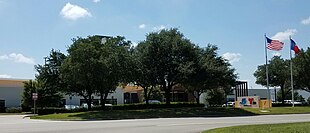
(274, 44)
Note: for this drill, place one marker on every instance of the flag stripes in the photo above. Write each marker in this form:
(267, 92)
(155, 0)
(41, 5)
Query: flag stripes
(274, 44)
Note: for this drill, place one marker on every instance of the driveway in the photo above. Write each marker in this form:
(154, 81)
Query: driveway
(18, 124)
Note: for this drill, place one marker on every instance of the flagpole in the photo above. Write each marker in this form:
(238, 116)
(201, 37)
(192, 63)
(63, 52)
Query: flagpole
(292, 83)
(267, 77)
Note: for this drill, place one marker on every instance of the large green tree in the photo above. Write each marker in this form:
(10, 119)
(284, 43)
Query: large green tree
(145, 75)
(30, 87)
(302, 67)
(171, 55)
(48, 77)
(79, 70)
(115, 66)
(288, 96)
(211, 72)
(95, 67)
(279, 74)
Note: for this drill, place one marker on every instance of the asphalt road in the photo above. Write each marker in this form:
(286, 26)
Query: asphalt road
(18, 124)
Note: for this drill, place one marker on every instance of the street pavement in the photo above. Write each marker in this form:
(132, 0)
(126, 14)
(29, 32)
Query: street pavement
(21, 124)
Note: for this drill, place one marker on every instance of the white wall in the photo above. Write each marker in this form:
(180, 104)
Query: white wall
(11, 95)
(118, 94)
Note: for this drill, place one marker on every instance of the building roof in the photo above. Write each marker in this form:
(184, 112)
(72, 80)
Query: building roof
(132, 89)
(12, 82)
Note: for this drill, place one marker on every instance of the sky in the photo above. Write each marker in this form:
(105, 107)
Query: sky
(30, 29)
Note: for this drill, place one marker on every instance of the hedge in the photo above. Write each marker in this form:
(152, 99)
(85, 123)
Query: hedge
(44, 111)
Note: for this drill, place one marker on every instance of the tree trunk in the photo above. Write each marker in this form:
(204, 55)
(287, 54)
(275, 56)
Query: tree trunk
(102, 103)
(105, 99)
(146, 97)
(167, 93)
(89, 101)
(197, 100)
(196, 95)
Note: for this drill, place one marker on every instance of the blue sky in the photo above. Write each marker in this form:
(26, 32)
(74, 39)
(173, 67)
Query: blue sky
(30, 29)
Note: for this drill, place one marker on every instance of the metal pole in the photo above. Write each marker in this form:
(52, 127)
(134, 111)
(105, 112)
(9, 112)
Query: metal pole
(34, 107)
(292, 84)
(267, 77)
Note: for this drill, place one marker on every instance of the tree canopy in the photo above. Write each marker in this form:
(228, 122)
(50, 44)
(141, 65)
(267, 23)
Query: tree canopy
(171, 55)
(163, 60)
(302, 67)
(279, 74)
(93, 67)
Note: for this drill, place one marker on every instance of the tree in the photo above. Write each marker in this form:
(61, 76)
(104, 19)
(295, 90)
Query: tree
(288, 96)
(80, 68)
(30, 87)
(115, 66)
(144, 73)
(302, 67)
(93, 67)
(211, 72)
(279, 74)
(48, 77)
(215, 96)
(171, 56)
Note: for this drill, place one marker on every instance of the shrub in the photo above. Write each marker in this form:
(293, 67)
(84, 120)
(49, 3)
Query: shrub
(13, 110)
(53, 110)
(2, 109)
(44, 111)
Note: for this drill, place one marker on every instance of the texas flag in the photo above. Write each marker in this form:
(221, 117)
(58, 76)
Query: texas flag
(294, 46)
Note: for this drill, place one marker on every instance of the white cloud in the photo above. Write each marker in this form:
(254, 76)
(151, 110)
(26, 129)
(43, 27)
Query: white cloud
(276, 54)
(96, 1)
(142, 26)
(306, 21)
(282, 36)
(5, 76)
(74, 12)
(158, 28)
(4, 57)
(232, 57)
(18, 58)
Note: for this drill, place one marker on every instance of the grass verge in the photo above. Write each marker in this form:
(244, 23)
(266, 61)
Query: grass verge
(302, 127)
(280, 110)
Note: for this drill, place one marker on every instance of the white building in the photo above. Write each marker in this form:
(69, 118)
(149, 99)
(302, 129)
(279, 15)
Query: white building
(11, 91)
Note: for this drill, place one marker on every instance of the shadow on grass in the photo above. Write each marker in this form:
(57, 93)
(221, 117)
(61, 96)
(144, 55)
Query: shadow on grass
(162, 113)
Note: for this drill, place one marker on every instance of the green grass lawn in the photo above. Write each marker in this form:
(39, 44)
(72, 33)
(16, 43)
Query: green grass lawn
(302, 127)
(281, 110)
(171, 113)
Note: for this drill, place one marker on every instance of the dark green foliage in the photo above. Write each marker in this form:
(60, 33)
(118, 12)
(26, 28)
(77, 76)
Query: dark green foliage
(302, 66)
(288, 96)
(171, 57)
(95, 68)
(44, 111)
(13, 110)
(215, 97)
(29, 88)
(50, 86)
(210, 72)
(279, 74)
